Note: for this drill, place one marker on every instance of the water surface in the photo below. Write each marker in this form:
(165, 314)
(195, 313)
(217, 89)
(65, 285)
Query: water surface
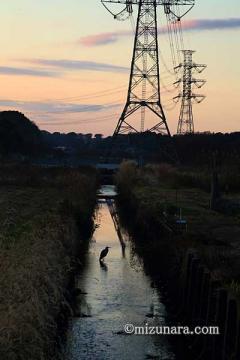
(115, 293)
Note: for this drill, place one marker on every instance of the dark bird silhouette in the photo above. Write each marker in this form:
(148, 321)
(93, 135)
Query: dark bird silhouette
(104, 253)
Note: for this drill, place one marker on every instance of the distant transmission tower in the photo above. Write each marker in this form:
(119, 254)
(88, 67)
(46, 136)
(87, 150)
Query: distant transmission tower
(188, 67)
(144, 83)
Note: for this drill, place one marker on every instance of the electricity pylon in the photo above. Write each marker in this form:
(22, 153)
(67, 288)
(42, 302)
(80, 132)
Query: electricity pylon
(144, 83)
(188, 67)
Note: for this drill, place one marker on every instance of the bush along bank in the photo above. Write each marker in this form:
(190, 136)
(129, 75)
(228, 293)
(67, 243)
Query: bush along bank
(198, 270)
(45, 226)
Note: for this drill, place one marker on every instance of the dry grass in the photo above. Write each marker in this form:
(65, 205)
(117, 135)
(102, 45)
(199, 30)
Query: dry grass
(38, 234)
(215, 236)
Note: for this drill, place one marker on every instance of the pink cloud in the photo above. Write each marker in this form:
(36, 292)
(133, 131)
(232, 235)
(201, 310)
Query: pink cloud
(190, 25)
(102, 38)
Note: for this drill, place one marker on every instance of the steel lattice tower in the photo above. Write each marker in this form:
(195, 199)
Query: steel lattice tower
(144, 83)
(188, 67)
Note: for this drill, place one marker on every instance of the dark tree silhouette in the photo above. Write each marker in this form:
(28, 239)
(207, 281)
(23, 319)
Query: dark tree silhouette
(18, 135)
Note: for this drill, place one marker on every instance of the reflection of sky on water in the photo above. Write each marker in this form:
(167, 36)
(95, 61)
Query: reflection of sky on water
(117, 293)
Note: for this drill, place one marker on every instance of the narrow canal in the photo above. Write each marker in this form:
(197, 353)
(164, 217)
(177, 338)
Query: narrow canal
(114, 294)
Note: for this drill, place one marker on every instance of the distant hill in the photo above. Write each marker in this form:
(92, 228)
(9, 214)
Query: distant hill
(18, 135)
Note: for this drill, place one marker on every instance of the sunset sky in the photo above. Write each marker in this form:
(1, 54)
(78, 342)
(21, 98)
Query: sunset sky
(65, 64)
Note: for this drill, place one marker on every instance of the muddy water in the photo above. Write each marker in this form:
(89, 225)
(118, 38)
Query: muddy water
(114, 294)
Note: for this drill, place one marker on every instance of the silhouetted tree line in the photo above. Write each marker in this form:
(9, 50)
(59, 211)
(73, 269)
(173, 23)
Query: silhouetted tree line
(19, 135)
(198, 149)
(194, 150)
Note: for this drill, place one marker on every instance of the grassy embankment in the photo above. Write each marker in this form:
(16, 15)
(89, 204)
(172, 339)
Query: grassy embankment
(45, 220)
(154, 190)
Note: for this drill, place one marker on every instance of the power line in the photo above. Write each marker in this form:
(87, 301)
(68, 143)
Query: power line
(91, 96)
(169, 108)
(180, 30)
(167, 90)
(165, 65)
(81, 121)
(97, 94)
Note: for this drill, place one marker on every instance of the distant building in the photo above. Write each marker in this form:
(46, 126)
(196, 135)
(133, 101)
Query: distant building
(98, 136)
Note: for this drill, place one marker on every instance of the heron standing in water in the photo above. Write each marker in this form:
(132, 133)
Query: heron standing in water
(104, 253)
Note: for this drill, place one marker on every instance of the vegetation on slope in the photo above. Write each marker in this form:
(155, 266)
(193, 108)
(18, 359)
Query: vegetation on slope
(156, 191)
(18, 135)
(44, 223)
